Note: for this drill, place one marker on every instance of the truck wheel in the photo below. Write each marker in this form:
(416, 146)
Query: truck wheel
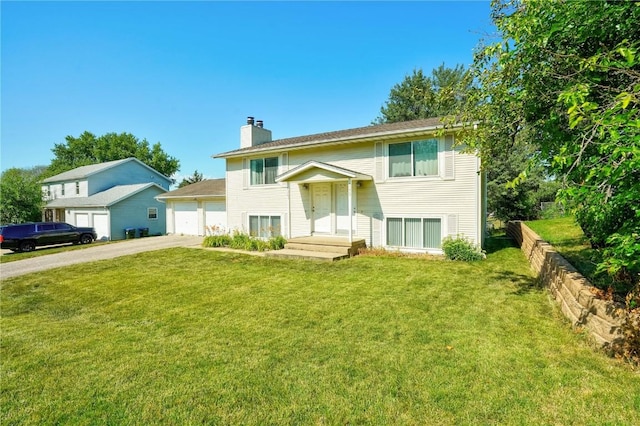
(86, 239)
(27, 246)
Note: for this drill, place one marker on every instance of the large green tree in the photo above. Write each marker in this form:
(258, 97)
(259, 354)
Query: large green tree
(421, 96)
(90, 149)
(21, 195)
(565, 76)
(447, 92)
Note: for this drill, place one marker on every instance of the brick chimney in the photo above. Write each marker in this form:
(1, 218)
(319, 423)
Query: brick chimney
(252, 134)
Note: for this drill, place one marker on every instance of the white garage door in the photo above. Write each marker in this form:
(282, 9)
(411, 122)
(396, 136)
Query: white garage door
(185, 218)
(101, 224)
(215, 215)
(82, 219)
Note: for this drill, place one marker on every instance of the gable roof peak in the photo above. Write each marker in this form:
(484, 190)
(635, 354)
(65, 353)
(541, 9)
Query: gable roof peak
(83, 172)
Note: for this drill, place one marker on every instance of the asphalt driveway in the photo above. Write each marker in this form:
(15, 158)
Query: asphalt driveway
(99, 252)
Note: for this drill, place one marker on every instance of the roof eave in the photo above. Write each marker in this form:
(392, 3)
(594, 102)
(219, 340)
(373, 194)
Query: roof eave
(346, 140)
(169, 197)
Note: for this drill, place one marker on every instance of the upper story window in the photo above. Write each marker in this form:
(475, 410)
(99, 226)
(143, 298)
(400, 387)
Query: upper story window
(264, 171)
(77, 188)
(418, 158)
(62, 190)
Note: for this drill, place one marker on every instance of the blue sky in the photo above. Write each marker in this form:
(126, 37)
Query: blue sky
(187, 74)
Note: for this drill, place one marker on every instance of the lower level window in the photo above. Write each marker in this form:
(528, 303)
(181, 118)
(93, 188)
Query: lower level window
(264, 226)
(414, 232)
(152, 213)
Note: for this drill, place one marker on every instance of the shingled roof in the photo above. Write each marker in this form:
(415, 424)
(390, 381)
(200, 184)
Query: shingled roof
(84, 172)
(339, 136)
(204, 188)
(103, 199)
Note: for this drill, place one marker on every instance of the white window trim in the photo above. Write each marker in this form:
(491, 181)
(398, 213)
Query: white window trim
(441, 163)
(269, 215)
(149, 209)
(443, 233)
(262, 185)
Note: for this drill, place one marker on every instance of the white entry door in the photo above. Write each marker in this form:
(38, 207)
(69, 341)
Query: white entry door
(322, 208)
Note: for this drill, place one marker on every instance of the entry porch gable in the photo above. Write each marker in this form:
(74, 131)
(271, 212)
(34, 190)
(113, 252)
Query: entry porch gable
(327, 202)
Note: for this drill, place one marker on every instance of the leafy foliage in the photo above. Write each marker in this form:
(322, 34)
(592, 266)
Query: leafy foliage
(89, 149)
(242, 241)
(421, 96)
(629, 348)
(446, 93)
(21, 195)
(565, 79)
(517, 202)
(197, 177)
(460, 248)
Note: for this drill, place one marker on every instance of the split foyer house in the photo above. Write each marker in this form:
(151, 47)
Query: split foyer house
(109, 196)
(400, 186)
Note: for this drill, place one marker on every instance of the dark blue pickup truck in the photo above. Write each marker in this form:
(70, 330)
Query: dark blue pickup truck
(26, 236)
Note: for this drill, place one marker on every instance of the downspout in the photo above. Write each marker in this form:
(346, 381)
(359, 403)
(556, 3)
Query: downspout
(350, 207)
(288, 209)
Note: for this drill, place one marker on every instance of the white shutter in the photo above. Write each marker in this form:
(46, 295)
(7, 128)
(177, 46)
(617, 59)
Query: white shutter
(449, 158)
(378, 228)
(452, 225)
(245, 173)
(285, 225)
(283, 166)
(244, 222)
(284, 163)
(379, 162)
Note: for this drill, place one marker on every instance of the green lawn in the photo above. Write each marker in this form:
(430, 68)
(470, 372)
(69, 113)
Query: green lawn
(187, 336)
(566, 236)
(43, 251)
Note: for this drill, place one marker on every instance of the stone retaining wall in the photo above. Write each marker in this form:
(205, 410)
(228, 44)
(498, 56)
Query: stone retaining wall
(571, 290)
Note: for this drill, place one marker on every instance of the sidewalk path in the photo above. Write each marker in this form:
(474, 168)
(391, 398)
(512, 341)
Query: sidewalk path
(99, 252)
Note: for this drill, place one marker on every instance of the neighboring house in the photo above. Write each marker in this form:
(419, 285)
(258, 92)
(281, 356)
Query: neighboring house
(109, 196)
(401, 186)
(196, 209)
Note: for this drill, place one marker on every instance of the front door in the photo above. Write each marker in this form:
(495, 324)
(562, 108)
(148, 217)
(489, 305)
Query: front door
(321, 208)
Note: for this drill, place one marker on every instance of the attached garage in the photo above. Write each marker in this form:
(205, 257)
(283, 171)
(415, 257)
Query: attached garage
(215, 214)
(101, 225)
(82, 219)
(196, 209)
(185, 217)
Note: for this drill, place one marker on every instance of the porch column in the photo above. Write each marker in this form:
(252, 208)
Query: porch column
(350, 207)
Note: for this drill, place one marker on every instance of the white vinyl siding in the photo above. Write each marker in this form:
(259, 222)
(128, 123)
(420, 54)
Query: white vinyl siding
(374, 201)
(416, 233)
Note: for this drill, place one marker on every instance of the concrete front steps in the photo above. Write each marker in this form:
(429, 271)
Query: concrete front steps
(318, 248)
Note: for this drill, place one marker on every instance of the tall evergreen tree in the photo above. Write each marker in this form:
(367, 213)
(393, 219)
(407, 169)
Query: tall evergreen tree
(421, 96)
